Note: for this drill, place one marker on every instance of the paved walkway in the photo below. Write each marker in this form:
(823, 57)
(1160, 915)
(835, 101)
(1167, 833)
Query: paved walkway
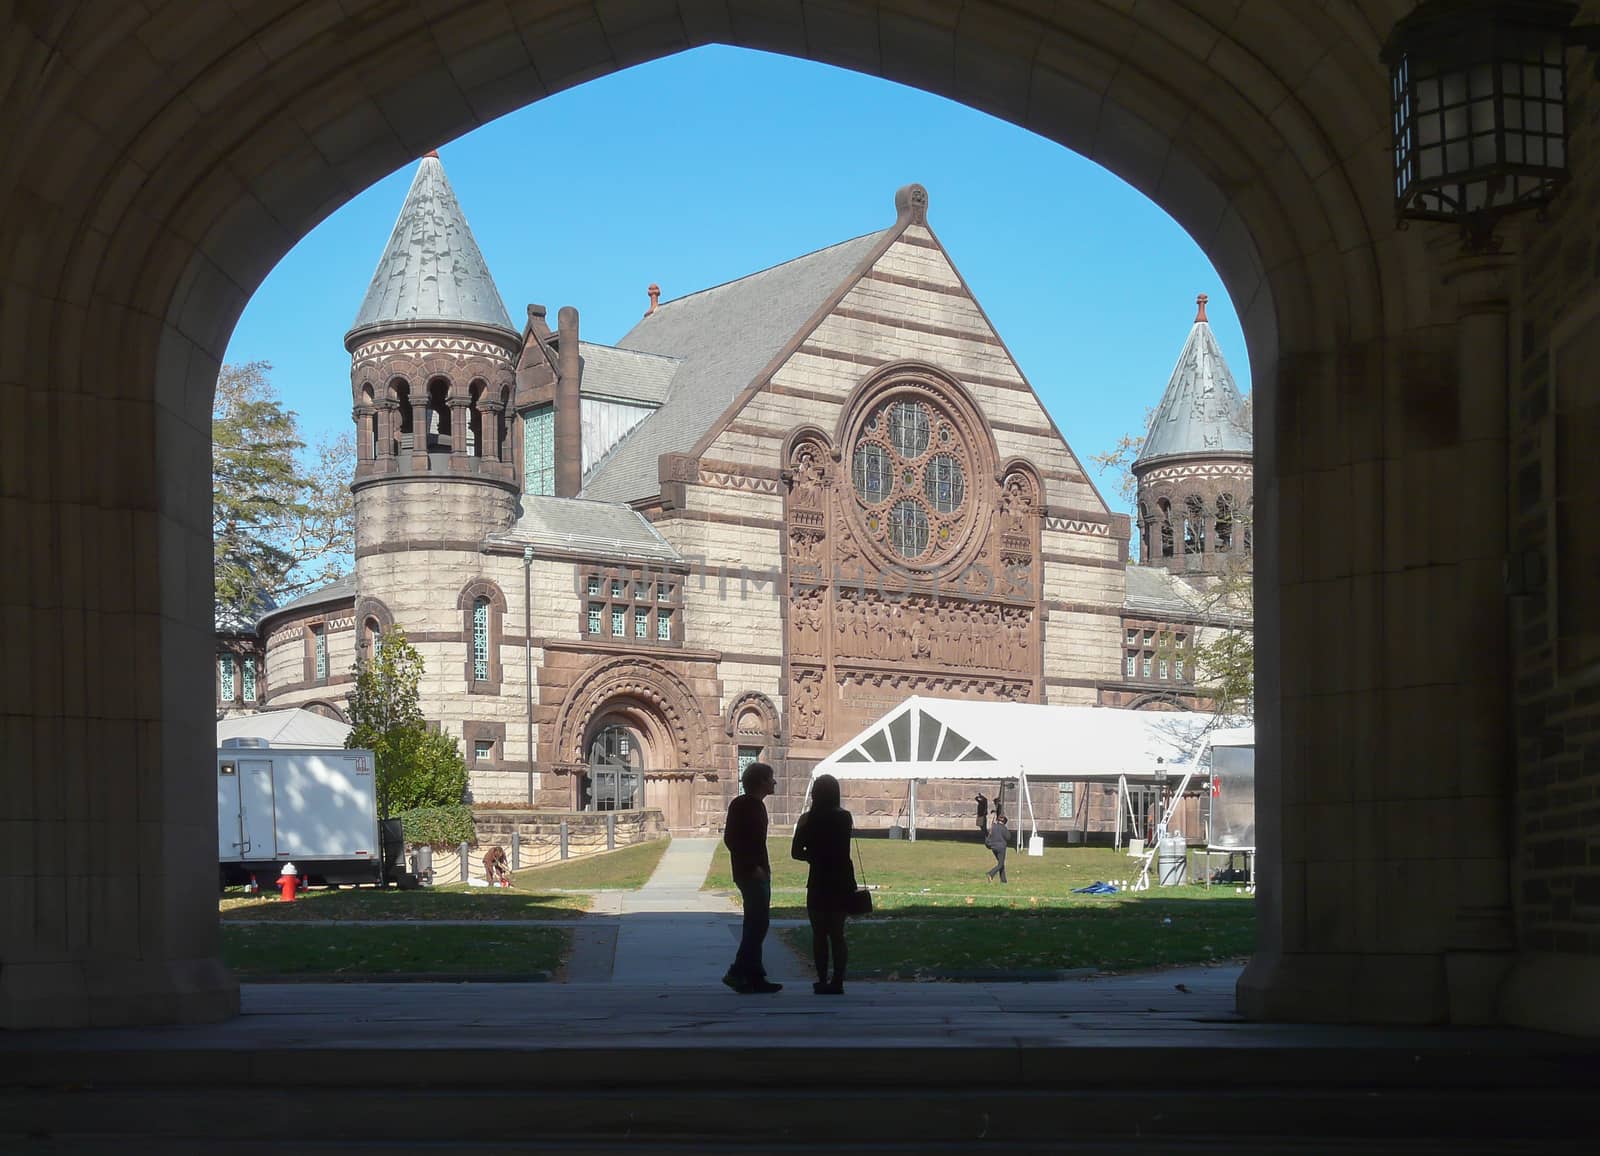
(669, 933)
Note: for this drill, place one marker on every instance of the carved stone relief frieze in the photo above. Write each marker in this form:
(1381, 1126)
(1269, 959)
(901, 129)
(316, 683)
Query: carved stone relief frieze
(933, 631)
(807, 709)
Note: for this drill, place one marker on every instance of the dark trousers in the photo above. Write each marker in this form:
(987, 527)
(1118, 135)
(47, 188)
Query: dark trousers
(827, 934)
(757, 896)
(999, 863)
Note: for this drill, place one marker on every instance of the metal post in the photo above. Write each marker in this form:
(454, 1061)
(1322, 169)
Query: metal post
(516, 851)
(466, 873)
(527, 657)
(563, 838)
(611, 830)
(913, 831)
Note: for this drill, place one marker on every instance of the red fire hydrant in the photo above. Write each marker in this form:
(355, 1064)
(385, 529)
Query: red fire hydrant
(288, 883)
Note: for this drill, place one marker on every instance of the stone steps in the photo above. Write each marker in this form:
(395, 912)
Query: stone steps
(735, 1099)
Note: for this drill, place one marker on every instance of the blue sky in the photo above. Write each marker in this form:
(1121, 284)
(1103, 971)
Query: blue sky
(703, 167)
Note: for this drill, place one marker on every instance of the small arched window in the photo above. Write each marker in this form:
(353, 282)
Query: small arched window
(1224, 539)
(480, 640)
(1166, 527)
(403, 435)
(1194, 525)
(372, 635)
(475, 422)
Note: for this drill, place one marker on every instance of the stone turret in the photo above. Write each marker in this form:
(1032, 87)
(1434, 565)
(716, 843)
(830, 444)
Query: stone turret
(432, 354)
(1194, 472)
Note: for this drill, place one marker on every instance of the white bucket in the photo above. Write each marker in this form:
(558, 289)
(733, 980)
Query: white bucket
(1036, 845)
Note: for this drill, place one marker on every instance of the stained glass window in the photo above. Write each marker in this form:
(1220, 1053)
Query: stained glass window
(595, 610)
(249, 680)
(320, 643)
(641, 624)
(480, 640)
(908, 529)
(908, 428)
(870, 473)
(225, 678)
(664, 625)
(619, 618)
(944, 483)
(594, 586)
(482, 750)
(539, 438)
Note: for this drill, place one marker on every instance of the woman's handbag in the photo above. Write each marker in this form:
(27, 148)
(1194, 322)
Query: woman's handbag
(860, 901)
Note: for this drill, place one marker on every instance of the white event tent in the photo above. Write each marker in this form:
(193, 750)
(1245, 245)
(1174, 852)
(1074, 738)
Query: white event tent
(290, 727)
(938, 738)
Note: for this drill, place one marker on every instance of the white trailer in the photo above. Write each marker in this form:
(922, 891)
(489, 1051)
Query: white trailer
(315, 808)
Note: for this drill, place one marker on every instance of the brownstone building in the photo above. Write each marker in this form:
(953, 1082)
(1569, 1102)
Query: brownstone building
(773, 510)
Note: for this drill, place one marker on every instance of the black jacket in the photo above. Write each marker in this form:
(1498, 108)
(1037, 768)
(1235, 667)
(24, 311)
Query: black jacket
(822, 839)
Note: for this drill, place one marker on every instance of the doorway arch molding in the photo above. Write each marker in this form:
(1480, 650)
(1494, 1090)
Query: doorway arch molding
(655, 698)
(157, 167)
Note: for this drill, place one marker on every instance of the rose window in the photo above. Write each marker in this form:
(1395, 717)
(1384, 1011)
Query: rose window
(911, 472)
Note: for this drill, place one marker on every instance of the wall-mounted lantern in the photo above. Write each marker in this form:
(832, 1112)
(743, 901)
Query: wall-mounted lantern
(1479, 109)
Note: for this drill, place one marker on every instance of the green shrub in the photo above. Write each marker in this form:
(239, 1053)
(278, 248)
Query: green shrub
(440, 827)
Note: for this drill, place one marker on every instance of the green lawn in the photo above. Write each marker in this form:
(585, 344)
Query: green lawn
(452, 902)
(934, 912)
(947, 877)
(627, 869)
(1121, 935)
(486, 951)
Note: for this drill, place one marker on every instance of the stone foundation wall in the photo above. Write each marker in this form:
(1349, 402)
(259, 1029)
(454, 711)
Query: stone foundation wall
(539, 833)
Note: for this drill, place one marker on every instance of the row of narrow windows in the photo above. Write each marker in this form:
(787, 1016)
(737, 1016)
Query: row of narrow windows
(1227, 526)
(440, 434)
(227, 682)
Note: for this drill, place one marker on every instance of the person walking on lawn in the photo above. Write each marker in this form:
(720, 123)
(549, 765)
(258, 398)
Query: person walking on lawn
(996, 842)
(745, 835)
(822, 839)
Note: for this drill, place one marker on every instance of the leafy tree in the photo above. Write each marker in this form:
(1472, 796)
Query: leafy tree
(415, 768)
(279, 527)
(255, 484)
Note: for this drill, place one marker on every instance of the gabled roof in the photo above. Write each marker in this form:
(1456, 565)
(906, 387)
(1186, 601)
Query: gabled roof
(940, 738)
(586, 527)
(626, 374)
(431, 270)
(725, 336)
(1200, 412)
(338, 590)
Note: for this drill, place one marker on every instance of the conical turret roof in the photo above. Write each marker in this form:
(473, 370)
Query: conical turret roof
(1200, 413)
(431, 270)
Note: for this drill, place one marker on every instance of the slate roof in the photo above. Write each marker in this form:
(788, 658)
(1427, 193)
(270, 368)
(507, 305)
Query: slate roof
(1158, 591)
(1196, 414)
(335, 591)
(431, 269)
(588, 527)
(725, 336)
(626, 374)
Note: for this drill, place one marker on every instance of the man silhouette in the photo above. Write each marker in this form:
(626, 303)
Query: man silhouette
(745, 835)
(996, 842)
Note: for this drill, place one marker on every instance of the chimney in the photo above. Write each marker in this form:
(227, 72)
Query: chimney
(569, 406)
(655, 298)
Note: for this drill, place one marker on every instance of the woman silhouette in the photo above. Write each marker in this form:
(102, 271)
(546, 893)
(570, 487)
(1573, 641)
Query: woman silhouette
(822, 839)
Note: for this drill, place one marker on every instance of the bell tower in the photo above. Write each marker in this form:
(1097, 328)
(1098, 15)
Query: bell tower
(1194, 473)
(432, 352)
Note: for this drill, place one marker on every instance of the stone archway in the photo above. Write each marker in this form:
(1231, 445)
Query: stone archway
(658, 707)
(161, 164)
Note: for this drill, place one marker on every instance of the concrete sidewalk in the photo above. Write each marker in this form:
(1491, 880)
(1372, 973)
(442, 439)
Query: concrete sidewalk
(670, 933)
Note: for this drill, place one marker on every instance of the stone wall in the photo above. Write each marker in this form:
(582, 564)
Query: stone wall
(539, 833)
(1555, 405)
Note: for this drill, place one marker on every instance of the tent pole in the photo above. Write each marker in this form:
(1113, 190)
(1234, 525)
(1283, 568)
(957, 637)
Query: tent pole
(1122, 791)
(913, 832)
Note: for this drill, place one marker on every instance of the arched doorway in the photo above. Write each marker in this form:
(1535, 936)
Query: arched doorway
(615, 777)
(149, 198)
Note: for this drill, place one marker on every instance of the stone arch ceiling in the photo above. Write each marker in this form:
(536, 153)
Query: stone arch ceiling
(165, 156)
